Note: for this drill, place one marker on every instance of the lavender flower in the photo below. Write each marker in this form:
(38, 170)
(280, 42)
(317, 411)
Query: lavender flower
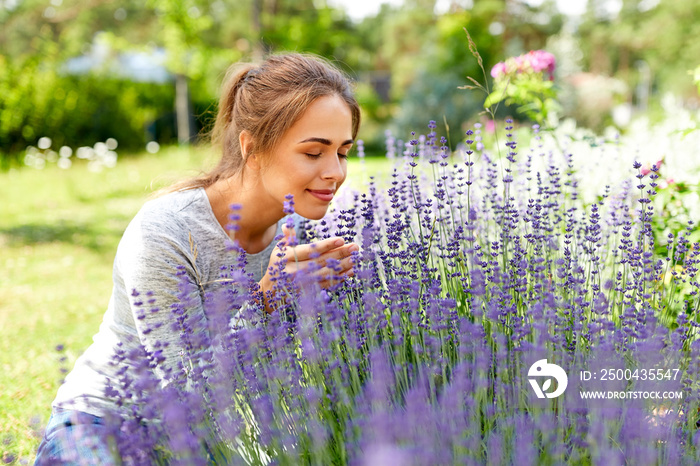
(465, 279)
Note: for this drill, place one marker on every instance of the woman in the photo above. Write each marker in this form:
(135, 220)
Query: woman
(284, 127)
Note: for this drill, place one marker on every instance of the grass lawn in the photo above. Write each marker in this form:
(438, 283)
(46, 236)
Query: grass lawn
(59, 231)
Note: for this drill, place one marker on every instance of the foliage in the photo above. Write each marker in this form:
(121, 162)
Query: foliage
(200, 38)
(427, 86)
(40, 101)
(410, 44)
(434, 95)
(528, 82)
(618, 42)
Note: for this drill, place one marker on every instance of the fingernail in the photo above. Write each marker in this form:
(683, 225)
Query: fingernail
(339, 242)
(353, 248)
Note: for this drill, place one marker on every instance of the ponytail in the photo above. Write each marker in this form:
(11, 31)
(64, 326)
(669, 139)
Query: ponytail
(234, 79)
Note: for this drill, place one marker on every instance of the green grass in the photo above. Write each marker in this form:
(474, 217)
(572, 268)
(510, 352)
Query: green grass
(59, 231)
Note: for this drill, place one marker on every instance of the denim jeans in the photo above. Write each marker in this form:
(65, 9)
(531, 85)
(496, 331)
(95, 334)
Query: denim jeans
(75, 437)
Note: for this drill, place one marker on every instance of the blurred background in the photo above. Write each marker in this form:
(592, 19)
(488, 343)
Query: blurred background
(138, 72)
(83, 79)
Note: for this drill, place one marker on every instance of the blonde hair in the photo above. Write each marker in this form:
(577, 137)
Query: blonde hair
(266, 100)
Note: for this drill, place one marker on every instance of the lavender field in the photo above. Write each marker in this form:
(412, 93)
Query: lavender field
(521, 245)
(477, 269)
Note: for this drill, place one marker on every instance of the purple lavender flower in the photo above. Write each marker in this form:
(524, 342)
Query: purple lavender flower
(467, 274)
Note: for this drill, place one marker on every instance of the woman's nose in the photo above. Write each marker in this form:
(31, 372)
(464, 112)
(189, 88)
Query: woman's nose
(334, 169)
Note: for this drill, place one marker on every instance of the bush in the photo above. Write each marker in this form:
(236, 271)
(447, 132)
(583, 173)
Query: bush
(39, 101)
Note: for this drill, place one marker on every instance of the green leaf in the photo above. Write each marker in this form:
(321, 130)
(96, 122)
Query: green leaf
(494, 98)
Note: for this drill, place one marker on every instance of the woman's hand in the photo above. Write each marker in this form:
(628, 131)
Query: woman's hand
(300, 257)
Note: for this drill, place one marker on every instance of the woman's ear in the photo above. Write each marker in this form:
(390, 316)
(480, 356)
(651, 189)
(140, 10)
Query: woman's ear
(245, 139)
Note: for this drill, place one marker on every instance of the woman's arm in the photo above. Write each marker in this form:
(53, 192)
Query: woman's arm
(157, 294)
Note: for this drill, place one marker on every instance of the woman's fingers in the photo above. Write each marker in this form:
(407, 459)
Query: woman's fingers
(333, 277)
(339, 259)
(331, 258)
(289, 234)
(325, 266)
(334, 267)
(321, 251)
(304, 252)
(341, 253)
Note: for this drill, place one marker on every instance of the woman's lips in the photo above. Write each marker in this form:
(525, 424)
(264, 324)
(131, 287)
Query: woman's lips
(326, 195)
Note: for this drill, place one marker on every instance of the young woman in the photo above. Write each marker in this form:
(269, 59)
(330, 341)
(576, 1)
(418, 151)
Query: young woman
(284, 127)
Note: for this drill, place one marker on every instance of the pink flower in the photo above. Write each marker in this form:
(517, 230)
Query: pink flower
(646, 169)
(498, 70)
(537, 61)
(541, 61)
(663, 184)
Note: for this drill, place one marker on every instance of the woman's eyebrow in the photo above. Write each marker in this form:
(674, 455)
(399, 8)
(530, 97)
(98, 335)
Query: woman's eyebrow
(325, 142)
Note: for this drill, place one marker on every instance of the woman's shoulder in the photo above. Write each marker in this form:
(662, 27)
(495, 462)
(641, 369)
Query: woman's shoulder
(174, 202)
(175, 215)
(189, 205)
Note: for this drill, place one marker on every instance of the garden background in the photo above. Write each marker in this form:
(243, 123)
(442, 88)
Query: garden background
(102, 102)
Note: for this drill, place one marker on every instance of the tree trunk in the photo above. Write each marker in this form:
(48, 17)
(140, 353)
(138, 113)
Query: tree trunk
(256, 24)
(183, 111)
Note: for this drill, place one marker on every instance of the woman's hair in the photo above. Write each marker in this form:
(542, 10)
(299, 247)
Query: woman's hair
(266, 100)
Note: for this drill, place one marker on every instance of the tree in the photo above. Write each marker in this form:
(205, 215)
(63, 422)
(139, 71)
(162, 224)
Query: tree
(441, 60)
(201, 38)
(663, 34)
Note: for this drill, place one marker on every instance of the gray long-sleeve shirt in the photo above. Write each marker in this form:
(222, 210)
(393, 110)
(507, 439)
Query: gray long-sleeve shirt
(161, 237)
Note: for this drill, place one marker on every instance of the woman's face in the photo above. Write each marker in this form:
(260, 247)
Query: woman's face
(310, 161)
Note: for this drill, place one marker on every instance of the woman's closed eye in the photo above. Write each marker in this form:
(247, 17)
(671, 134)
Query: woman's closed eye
(314, 156)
